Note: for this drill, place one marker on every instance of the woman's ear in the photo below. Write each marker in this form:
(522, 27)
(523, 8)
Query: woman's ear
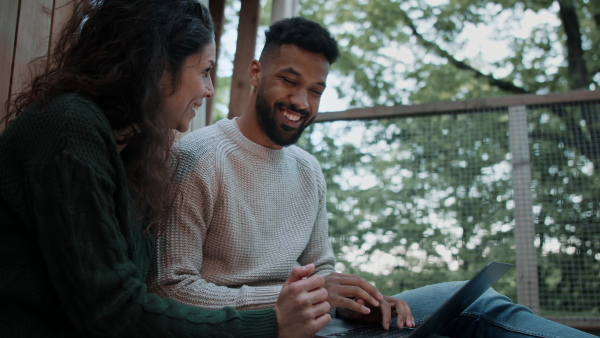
(165, 84)
(255, 72)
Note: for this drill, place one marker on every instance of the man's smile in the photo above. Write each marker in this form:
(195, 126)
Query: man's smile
(291, 115)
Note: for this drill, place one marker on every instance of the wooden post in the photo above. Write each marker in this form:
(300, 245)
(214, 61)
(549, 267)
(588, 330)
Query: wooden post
(244, 54)
(527, 274)
(217, 11)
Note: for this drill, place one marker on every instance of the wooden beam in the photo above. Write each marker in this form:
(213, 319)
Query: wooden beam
(9, 12)
(457, 106)
(244, 54)
(217, 11)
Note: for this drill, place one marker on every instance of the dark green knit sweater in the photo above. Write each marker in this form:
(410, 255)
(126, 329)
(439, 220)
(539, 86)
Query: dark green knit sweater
(72, 259)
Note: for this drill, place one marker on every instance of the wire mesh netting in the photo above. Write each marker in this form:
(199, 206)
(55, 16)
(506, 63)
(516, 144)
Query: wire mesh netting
(565, 152)
(425, 199)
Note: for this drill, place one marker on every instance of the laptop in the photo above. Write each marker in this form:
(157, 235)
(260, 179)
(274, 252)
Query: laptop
(431, 327)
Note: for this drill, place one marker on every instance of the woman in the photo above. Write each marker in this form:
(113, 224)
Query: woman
(83, 171)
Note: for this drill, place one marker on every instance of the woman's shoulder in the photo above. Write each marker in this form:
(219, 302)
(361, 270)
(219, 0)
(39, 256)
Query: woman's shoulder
(68, 122)
(62, 113)
(78, 109)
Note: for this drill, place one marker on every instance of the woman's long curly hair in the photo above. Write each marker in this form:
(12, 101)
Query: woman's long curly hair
(115, 52)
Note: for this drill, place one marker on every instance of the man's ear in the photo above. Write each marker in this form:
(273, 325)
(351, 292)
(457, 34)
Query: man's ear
(255, 72)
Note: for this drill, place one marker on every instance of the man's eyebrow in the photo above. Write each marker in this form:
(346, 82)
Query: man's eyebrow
(292, 71)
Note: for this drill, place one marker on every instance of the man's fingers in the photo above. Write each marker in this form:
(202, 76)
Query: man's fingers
(364, 285)
(404, 315)
(351, 304)
(299, 272)
(386, 314)
(353, 291)
(401, 310)
(351, 286)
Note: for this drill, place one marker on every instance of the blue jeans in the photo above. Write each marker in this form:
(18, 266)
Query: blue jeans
(492, 315)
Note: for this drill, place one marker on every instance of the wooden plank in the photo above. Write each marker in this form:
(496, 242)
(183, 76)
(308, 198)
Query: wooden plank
(9, 11)
(527, 275)
(63, 9)
(244, 54)
(457, 106)
(33, 32)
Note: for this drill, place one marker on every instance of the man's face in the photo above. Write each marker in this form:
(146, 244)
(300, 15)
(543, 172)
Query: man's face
(289, 93)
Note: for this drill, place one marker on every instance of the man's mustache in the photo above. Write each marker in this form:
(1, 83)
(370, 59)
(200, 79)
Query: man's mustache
(293, 108)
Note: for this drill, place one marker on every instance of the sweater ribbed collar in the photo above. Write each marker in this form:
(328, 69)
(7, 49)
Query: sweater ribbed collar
(230, 128)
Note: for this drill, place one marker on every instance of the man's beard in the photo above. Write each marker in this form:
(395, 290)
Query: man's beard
(281, 135)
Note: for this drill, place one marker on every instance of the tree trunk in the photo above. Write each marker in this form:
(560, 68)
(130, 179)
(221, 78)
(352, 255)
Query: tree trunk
(578, 74)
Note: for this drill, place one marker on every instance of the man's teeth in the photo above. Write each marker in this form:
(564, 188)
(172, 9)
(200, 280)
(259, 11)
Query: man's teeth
(196, 107)
(291, 117)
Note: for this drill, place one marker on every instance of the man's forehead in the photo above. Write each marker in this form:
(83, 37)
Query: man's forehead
(300, 62)
(292, 71)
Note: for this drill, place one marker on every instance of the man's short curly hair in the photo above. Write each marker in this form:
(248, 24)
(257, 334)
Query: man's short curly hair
(303, 33)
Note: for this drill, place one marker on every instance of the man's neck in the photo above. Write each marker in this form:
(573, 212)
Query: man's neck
(250, 128)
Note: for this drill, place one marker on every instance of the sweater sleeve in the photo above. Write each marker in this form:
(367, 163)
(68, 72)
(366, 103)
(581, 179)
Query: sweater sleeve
(319, 250)
(177, 269)
(75, 222)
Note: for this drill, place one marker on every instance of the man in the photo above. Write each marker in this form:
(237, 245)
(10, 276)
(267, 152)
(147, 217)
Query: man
(253, 207)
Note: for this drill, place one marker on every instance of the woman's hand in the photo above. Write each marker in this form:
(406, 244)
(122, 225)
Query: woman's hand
(302, 304)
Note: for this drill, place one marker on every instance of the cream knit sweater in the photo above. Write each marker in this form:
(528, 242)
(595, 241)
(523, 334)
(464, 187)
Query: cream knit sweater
(248, 215)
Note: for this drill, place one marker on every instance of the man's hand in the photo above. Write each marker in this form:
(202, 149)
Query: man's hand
(302, 304)
(388, 308)
(343, 289)
(357, 299)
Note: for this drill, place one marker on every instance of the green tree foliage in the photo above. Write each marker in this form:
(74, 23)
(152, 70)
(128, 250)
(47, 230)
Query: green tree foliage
(435, 193)
(558, 56)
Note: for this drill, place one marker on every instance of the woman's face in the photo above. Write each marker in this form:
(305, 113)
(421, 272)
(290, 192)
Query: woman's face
(179, 106)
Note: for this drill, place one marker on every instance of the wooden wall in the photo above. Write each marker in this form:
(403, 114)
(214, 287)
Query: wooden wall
(27, 28)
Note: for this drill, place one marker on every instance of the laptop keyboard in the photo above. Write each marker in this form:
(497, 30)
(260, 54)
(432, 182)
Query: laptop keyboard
(373, 331)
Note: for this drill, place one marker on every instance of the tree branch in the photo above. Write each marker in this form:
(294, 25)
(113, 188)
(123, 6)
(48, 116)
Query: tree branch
(504, 85)
(577, 68)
